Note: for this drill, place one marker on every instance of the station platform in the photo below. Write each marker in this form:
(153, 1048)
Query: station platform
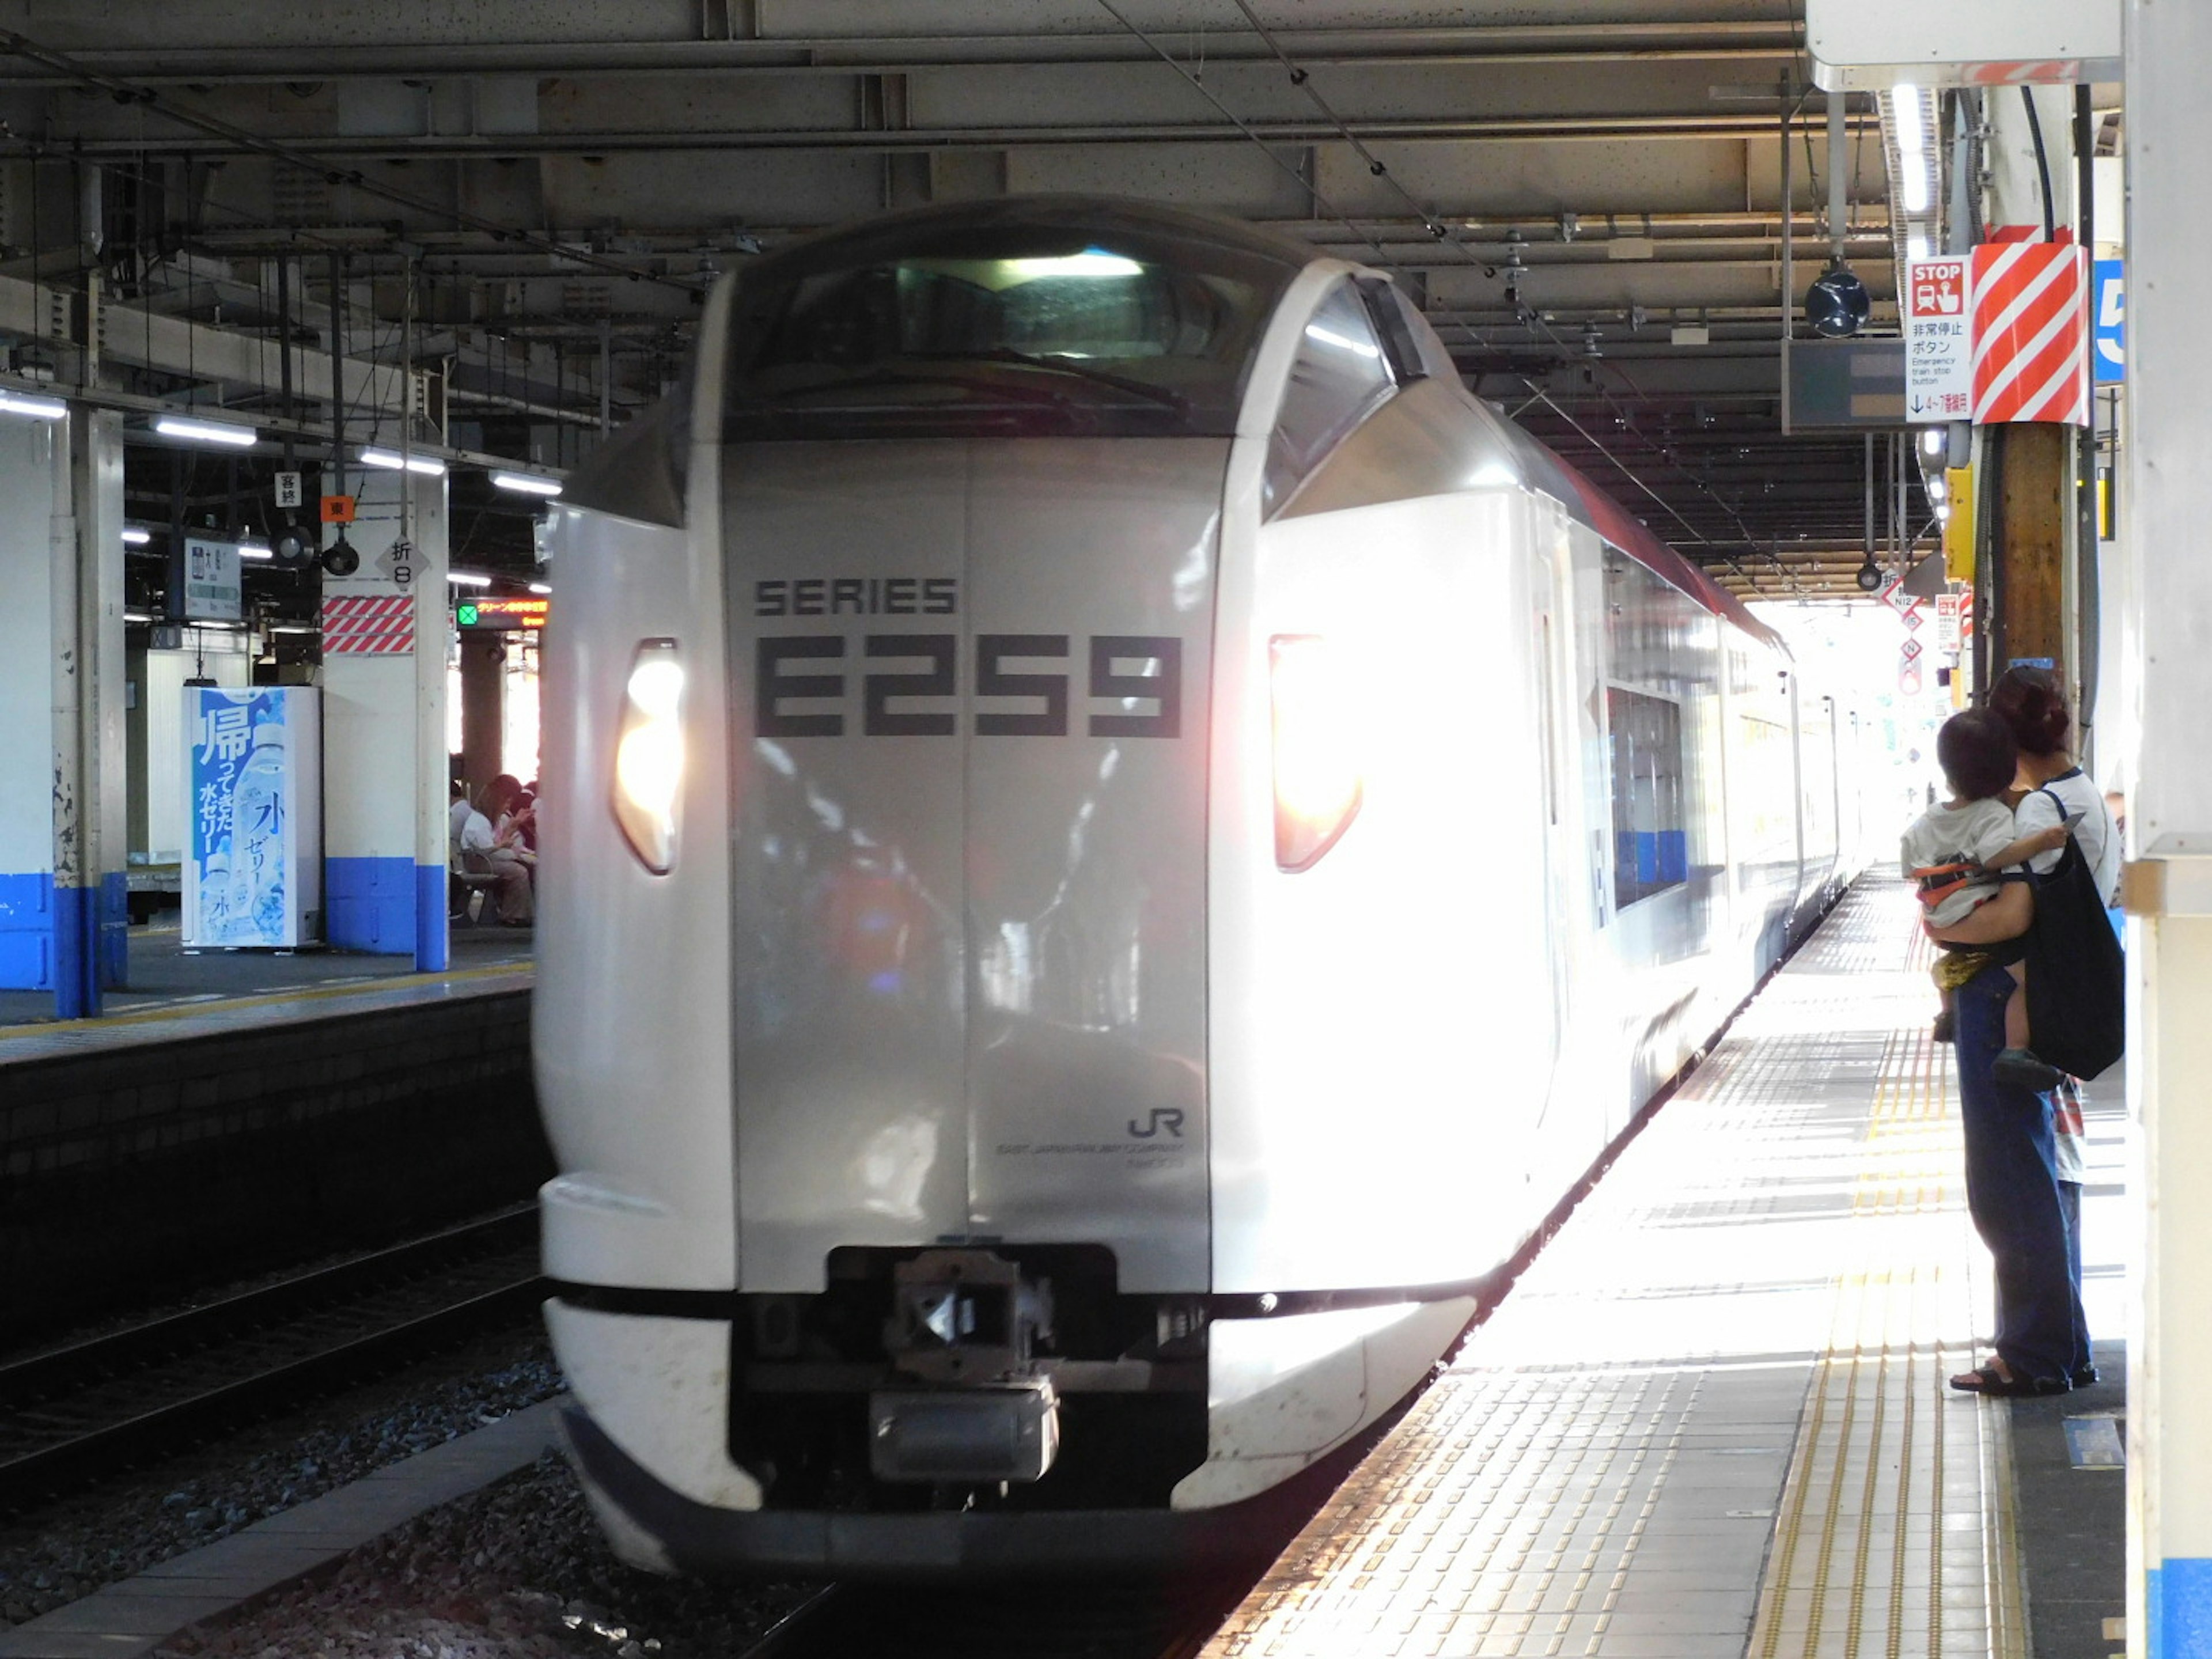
(1712, 1418)
(174, 993)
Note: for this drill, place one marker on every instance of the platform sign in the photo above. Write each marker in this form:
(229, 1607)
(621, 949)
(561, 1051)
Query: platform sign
(288, 490)
(253, 870)
(2108, 326)
(503, 611)
(1939, 340)
(1947, 635)
(213, 589)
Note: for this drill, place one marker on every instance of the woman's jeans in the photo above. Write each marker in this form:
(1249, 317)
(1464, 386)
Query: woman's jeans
(2012, 1191)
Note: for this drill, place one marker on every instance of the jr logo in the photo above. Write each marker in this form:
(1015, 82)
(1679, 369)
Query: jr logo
(1162, 1117)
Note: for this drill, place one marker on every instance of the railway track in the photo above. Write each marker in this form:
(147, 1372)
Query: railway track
(73, 1415)
(1137, 1619)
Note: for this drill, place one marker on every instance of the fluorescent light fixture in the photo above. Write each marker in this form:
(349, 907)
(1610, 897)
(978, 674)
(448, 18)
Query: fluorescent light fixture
(254, 550)
(539, 588)
(1913, 188)
(1912, 137)
(39, 409)
(392, 460)
(1915, 245)
(527, 484)
(467, 579)
(134, 537)
(1092, 262)
(206, 432)
(292, 627)
(140, 617)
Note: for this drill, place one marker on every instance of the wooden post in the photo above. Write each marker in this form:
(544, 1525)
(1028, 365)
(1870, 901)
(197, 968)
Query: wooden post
(2029, 544)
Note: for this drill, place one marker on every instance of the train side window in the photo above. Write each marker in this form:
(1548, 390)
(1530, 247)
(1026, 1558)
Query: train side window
(1650, 834)
(1340, 376)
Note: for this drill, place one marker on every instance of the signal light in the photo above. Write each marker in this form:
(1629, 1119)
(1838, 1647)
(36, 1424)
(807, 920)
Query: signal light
(1318, 789)
(649, 755)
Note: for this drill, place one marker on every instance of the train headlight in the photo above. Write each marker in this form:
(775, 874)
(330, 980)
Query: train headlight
(649, 755)
(1317, 747)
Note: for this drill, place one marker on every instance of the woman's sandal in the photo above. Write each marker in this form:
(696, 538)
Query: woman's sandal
(1989, 1380)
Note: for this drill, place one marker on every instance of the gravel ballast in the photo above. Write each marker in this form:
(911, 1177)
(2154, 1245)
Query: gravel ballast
(518, 1569)
(67, 1550)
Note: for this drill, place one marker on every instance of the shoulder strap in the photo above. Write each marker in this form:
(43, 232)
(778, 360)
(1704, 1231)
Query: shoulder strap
(2071, 852)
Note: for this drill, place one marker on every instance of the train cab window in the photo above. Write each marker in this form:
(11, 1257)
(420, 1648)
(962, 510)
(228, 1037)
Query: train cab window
(1340, 376)
(1650, 833)
(1012, 327)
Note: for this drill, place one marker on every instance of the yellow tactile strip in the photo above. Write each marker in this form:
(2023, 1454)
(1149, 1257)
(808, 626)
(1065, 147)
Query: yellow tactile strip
(1896, 1536)
(1726, 1371)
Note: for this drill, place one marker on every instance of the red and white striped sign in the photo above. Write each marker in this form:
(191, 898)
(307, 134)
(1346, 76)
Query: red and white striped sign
(368, 624)
(2031, 332)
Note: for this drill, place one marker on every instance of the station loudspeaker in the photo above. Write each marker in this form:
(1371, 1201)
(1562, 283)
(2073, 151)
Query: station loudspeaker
(293, 549)
(1869, 575)
(339, 558)
(1837, 304)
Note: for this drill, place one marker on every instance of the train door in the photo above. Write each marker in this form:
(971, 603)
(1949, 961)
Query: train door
(1549, 643)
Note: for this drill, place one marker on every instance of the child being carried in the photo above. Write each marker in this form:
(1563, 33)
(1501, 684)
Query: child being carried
(1960, 854)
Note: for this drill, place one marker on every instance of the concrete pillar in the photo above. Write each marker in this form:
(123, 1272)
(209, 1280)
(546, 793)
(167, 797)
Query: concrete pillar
(483, 709)
(63, 912)
(2166, 508)
(384, 724)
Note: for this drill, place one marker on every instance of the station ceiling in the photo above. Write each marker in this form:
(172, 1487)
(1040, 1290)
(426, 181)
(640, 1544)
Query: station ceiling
(1586, 195)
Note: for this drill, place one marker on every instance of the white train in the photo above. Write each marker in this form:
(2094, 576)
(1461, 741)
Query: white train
(1113, 842)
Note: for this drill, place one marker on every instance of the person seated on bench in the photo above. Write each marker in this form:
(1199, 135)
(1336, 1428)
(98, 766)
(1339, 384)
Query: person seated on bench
(474, 852)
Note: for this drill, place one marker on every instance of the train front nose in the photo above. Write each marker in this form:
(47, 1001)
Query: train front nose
(970, 847)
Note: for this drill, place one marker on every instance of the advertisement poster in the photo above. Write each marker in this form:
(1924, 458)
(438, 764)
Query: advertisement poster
(253, 873)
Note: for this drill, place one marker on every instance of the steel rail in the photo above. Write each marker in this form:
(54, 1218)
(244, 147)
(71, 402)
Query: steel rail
(37, 1393)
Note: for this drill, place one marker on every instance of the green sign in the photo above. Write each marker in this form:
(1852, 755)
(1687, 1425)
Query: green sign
(468, 616)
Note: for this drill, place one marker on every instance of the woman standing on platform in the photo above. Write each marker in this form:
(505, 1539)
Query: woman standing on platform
(2030, 702)
(2024, 1164)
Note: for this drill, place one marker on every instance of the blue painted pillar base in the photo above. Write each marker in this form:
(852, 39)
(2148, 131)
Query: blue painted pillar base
(114, 949)
(369, 904)
(433, 950)
(2177, 1606)
(77, 952)
(27, 931)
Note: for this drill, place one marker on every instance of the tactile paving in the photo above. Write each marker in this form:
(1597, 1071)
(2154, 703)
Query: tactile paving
(1711, 1418)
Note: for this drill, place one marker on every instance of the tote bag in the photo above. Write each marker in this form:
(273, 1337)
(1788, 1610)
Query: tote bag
(2076, 979)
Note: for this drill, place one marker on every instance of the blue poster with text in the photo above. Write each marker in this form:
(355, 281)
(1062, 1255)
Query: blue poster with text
(247, 755)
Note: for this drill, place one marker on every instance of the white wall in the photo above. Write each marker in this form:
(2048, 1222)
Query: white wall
(27, 832)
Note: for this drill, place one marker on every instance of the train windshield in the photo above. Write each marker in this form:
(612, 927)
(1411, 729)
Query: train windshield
(1005, 329)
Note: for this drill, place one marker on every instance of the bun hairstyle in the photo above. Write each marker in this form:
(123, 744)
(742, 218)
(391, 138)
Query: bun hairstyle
(2029, 701)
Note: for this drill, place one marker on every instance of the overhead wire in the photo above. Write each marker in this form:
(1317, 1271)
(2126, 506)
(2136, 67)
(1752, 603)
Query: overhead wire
(1440, 231)
(148, 98)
